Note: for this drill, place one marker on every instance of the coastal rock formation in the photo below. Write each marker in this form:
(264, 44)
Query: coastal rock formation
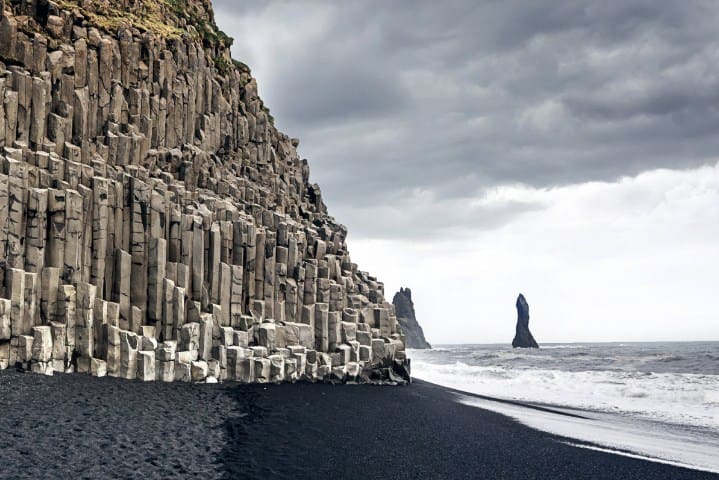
(404, 308)
(523, 337)
(156, 225)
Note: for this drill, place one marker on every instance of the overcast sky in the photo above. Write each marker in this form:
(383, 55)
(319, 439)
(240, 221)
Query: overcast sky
(566, 150)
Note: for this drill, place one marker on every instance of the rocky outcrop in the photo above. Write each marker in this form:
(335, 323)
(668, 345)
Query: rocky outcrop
(404, 308)
(523, 337)
(156, 224)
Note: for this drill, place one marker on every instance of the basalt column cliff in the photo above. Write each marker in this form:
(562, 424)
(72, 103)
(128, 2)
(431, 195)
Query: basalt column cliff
(155, 224)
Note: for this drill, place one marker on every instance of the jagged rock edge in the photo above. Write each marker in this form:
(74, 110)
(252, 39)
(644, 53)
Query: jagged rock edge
(157, 225)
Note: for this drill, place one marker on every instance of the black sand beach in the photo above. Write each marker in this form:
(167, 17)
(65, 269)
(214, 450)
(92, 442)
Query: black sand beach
(74, 426)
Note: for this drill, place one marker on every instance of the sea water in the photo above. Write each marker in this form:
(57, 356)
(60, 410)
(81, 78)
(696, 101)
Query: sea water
(659, 400)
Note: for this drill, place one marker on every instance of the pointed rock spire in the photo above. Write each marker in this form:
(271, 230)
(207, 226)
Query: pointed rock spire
(523, 337)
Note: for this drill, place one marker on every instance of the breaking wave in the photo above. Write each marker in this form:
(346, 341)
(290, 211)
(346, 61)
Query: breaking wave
(635, 380)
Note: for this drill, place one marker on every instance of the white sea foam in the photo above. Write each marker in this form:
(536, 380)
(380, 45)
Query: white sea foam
(687, 399)
(621, 436)
(653, 400)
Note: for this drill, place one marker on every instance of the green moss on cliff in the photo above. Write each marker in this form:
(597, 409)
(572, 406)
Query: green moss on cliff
(167, 18)
(223, 65)
(148, 16)
(170, 19)
(242, 67)
(270, 117)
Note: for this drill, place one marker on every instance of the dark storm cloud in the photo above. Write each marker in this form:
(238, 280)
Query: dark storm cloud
(372, 95)
(395, 100)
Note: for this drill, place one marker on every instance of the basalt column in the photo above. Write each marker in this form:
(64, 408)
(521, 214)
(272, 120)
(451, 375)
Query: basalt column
(155, 223)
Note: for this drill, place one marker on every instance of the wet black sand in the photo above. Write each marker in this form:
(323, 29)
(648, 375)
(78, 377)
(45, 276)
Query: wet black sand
(73, 426)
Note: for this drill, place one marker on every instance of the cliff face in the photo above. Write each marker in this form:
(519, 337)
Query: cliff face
(156, 223)
(404, 308)
(523, 337)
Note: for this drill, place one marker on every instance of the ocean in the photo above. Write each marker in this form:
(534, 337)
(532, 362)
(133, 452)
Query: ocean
(658, 400)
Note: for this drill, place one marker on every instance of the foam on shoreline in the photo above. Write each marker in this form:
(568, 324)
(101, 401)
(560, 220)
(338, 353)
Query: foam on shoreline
(614, 433)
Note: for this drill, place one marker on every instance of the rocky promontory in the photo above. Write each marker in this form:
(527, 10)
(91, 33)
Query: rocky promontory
(156, 224)
(404, 308)
(523, 337)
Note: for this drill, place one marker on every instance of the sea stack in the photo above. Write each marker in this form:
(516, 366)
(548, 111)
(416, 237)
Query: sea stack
(523, 338)
(404, 308)
(156, 224)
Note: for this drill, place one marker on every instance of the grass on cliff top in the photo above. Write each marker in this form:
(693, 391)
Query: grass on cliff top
(166, 18)
(169, 19)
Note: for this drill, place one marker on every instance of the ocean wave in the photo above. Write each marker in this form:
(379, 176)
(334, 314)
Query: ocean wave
(484, 356)
(688, 399)
(563, 347)
(670, 358)
(577, 354)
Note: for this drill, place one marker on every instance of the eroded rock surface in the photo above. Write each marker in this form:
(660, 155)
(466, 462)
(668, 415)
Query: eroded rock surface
(156, 224)
(523, 337)
(404, 308)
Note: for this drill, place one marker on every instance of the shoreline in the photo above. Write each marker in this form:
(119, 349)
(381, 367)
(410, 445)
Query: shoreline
(89, 428)
(606, 432)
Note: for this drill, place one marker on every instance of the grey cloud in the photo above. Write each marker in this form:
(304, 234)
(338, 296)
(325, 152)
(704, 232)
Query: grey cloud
(337, 93)
(452, 97)
(409, 217)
